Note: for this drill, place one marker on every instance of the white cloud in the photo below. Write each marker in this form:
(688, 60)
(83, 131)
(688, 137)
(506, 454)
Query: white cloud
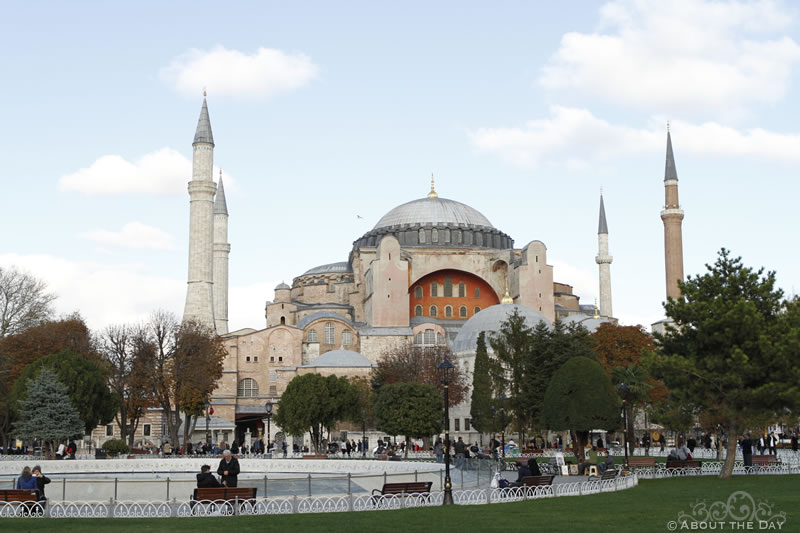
(246, 305)
(163, 172)
(234, 73)
(680, 56)
(574, 137)
(133, 235)
(584, 282)
(103, 294)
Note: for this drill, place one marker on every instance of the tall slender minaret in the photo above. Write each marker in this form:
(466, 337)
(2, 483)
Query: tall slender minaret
(199, 293)
(672, 215)
(222, 250)
(603, 261)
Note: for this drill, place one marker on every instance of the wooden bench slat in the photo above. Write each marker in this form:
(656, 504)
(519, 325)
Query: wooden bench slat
(537, 481)
(224, 493)
(683, 464)
(641, 461)
(411, 487)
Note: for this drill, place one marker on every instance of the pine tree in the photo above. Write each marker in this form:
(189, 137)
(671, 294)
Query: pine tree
(46, 413)
(481, 401)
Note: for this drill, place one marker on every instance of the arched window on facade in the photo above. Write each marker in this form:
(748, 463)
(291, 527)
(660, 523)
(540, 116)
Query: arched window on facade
(312, 335)
(430, 337)
(477, 292)
(448, 311)
(439, 338)
(477, 310)
(329, 333)
(418, 310)
(462, 311)
(347, 338)
(462, 289)
(434, 311)
(418, 338)
(248, 388)
(418, 292)
(434, 289)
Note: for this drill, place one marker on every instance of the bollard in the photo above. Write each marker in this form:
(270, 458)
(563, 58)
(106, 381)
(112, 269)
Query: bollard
(116, 483)
(265, 486)
(384, 477)
(309, 484)
(236, 505)
(167, 489)
(415, 476)
(349, 488)
(64, 489)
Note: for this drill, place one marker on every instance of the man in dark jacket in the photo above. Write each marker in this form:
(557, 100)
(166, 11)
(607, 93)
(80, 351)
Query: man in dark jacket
(228, 469)
(205, 479)
(747, 450)
(523, 472)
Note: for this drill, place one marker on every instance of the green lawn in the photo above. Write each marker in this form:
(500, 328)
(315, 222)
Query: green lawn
(648, 507)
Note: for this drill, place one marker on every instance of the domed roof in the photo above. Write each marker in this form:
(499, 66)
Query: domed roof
(282, 286)
(340, 358)
(342, 266)
(433, 211)
(489, 320)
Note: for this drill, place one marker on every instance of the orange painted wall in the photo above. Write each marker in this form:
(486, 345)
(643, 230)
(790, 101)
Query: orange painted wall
(487, 297)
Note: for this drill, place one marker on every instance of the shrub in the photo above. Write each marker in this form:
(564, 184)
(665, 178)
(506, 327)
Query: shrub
(115, 446)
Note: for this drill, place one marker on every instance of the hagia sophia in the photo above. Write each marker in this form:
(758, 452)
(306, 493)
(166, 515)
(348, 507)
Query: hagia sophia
(431, 271)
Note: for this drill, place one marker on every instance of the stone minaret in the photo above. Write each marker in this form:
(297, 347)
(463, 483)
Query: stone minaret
(221, 252)
(672, 215)
(199, 293)
(603, 260)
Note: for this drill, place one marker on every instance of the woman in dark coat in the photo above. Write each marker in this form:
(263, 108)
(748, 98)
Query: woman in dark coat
(41, 481)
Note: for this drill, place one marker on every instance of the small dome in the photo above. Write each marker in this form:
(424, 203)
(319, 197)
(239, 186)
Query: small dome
(433, 211)
(339, 359)
(282, 286)
(489, 320)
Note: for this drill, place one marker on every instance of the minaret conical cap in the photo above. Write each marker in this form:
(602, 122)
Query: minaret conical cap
(603, 225)
(203, 133)
(670, 172)
(220, 205)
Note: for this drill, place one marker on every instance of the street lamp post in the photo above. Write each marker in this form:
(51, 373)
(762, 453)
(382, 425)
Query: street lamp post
(268, 409)
(623, 389)
(208, 419)
(363, 433)
(445, 371)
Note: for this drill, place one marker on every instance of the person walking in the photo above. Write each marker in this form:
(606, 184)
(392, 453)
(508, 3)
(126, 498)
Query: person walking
(747, 450)
(772, 441)
(228, 469)
(41, 481)
(439, 449)
(460, 448)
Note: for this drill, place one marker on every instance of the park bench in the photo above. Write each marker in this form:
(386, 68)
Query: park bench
(641, 461)
(608, 474)
(224, 497)
(537, 481)
(765, 460)
(27, 497)
(682, 465)
(401, 489)
(315, 457)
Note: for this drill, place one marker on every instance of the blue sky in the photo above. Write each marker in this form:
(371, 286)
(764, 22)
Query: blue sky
(324, 111)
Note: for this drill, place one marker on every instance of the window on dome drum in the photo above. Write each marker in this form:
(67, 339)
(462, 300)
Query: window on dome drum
(312, 335)
(434, 289)
(418, 292)
(347, 338)
(476, 310)
(248, 388)
(448, 287)
(418, 310)
(329, 333)
(462, 311)
(448, 311)
(433, 312)
(430, 337)
(462, 290)
(477, 292)
(422, 236)
(434, 235)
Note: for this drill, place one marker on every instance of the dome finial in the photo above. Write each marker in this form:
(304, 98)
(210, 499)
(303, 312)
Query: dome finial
(507, 299)
(432, 194)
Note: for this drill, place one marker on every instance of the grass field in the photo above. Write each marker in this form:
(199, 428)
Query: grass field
(649, 507)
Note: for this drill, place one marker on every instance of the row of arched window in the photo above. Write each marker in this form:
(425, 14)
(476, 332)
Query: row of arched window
(428, 337)
(248, 388)
(330, 335)
(448, 311)
(447, 290)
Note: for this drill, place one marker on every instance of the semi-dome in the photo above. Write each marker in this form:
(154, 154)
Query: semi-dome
(330, 268)
(435, 211)
(340, 359)
(490, 320)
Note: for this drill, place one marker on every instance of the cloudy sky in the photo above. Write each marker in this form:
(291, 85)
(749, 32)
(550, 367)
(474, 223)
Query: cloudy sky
(328, 114)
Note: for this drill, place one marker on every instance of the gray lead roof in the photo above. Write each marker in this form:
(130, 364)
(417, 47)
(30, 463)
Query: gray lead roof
(203, 133)
(670, 172)
(433, 211)
(603, 225)
(220, 205)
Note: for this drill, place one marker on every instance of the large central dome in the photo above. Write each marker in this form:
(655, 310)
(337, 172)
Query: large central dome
(435, 211)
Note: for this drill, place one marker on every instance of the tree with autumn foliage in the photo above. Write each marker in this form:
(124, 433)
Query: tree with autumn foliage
(412, 363)
(185, 362)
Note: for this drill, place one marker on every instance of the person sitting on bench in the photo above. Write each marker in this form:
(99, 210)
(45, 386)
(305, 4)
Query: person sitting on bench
(591, 459)
(205, 479)
(608, 464)
(522, 472)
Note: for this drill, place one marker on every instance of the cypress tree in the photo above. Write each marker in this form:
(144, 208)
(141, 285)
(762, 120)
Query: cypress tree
(481, 401)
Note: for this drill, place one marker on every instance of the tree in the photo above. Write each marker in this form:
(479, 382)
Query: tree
(410, 409)
(481, 402)
(633, 385)
(733, 349)
(185, 363)
(126, 376)
(314, 403)
(413, 363)
(19, 350)
(46, 412)
(85, 381)
(581, 398)
(24, 301)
